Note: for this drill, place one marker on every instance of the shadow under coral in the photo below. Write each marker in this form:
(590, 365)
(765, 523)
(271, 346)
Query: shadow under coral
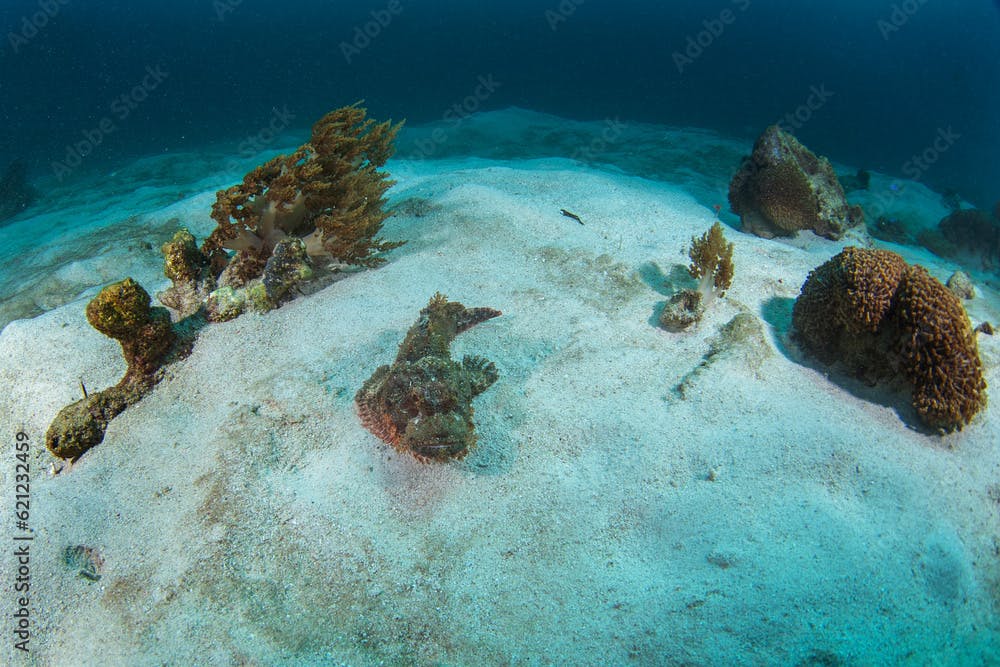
(895, 395)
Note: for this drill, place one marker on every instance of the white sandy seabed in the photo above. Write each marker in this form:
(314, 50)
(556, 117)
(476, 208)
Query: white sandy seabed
(765, 513)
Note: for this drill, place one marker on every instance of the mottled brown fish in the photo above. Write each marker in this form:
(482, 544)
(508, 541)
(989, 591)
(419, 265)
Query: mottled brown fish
(422, 403)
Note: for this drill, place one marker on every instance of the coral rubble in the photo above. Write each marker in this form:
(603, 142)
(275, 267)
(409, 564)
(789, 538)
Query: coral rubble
(422, 403)
(961, 285)
(783, 187)
(884, 320)
(121, 311)
(189, 271)
(683, 309)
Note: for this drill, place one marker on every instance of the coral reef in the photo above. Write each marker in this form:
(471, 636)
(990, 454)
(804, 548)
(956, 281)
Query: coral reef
(325, 200)
(782, 187)
(121, 311)
(972, 234)
(885, 320)
(712, 265)
(16, 194)
(324, 204)
(422, 403)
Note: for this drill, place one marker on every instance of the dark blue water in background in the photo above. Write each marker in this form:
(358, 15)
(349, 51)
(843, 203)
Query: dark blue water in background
(893, 76)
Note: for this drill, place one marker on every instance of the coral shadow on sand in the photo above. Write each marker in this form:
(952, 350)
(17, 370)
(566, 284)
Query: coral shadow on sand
(777, 312)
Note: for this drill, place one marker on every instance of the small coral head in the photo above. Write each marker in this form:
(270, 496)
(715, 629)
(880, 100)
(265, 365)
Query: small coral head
(120, 309)
(712, 260)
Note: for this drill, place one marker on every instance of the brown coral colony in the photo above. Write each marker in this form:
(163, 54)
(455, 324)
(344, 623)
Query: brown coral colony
(121, 311)
(882, 318)
(782, 187)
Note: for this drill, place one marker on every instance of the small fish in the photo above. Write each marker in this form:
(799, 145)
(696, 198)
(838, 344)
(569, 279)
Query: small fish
(571, 215)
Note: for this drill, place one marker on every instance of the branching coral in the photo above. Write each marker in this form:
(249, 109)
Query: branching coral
(121, 311)
(712, 261)
(422, 403)
(712, 265)
(783, 187)
(324, 203)
(329, 193)
(883, 319)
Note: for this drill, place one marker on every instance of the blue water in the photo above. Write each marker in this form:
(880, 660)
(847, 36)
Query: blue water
(885, 79)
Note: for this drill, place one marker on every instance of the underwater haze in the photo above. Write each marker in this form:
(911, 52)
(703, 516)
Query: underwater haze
(885, 78)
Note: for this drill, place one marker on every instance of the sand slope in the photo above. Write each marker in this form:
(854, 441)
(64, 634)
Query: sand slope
(762, 515)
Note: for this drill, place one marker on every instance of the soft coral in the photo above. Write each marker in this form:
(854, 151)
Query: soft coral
(329, 193)
(325, 201)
